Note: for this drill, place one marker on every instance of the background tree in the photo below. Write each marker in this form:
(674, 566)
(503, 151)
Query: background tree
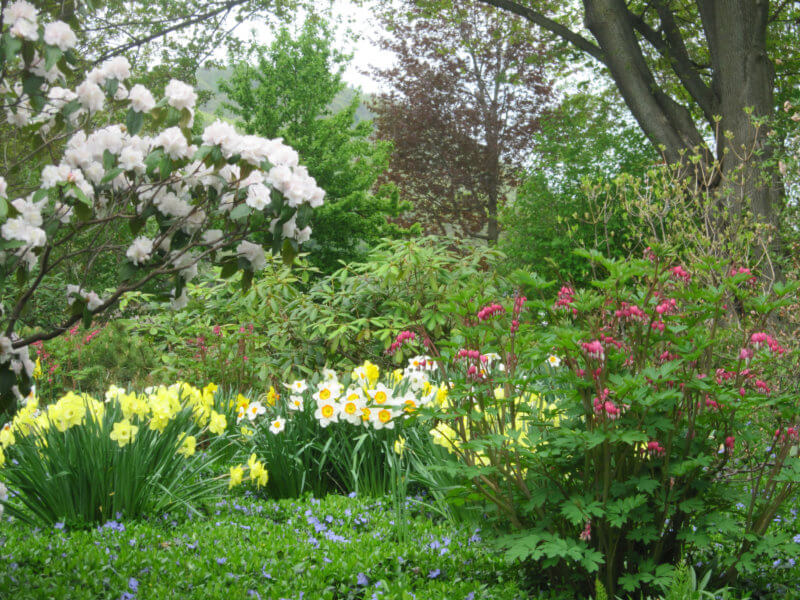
(586, 140)
(690, 73)
(288, 93)
(466, 94)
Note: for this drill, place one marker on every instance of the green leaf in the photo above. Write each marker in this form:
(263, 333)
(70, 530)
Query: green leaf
(247, 279)
(109, 160)
(11, 45)
(134, 121)
(52, 54)
(32, 85)
(111, 174)
(240, 212)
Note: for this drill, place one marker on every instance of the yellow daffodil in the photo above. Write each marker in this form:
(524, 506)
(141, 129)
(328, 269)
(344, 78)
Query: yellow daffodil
(236, 474)
(37, 370)
(124, 433)
(400, 445)
(188, 447)
(217, 423)
(272, 396)
(6, 436)
(257, 471)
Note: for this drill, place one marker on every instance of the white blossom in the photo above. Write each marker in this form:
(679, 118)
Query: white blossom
(212, 236)
(258, 196)
(3, 187)
(140, 250)
(141, 98)
(60, 34)
(90, 96)
(117, 68)
(180, 95)
(174, 143)
(19, 10)
(179, 302)
(25, 29)
(253, 253)
(131, 159)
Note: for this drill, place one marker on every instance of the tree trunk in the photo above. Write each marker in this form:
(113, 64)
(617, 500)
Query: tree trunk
(743, 84)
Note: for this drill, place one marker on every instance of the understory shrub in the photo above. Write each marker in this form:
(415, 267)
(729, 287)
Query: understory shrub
(291, 321)
(620, 428)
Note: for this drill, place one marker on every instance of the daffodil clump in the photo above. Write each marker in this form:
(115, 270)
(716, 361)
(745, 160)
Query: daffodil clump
(334, 431)
(82, 459)
(364, 397)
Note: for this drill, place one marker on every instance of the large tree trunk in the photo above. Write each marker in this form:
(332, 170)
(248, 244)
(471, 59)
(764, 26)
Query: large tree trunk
(743, 85)
(741, 89)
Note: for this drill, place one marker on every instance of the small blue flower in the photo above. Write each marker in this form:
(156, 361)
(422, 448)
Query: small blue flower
(434, 574)
(362, 580)
(133, 584)
(222, 561)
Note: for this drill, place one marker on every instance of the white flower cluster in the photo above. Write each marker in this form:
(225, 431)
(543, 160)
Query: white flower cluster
(18, 359)
(111, 172)
(93, 301)
(364, 400)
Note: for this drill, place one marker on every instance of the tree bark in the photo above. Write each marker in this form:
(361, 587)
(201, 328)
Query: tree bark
(739, 89)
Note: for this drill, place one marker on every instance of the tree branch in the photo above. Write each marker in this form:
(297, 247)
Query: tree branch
(554, 27)
(163, 32)
(672, 47)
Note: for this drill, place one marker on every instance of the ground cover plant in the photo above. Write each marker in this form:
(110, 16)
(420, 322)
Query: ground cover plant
(336, 547)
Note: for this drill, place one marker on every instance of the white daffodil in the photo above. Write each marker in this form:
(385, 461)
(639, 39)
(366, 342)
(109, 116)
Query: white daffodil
(277, 425)
(296, 403)
(328, 391)
(381, 394)
(298, 386)
(352, 405)
(327, 412)
(383, 418)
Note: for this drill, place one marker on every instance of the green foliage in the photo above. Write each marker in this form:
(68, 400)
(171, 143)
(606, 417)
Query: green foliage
(291, 323)
(585, 140)
(278, 549)
(68, 466)
(668, 429)
(93, 359)
(288, 94)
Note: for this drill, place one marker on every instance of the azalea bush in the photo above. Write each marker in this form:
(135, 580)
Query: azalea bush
(337, 432)
(651, 417)
(184, 197)
(81, 460)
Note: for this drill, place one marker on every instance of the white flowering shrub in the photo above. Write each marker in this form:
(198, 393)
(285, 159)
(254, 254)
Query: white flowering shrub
(185, 198)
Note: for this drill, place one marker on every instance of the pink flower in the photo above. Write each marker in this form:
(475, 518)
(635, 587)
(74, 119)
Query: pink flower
(489, 311)
(730, 443)
(586, 534)
(680, 273)
(594, 349)
(565, 299)
(217, 330)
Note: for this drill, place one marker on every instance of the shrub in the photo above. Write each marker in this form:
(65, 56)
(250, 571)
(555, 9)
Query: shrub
(81, 461)
(663, 425)
(290, 322)
(91, 360)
